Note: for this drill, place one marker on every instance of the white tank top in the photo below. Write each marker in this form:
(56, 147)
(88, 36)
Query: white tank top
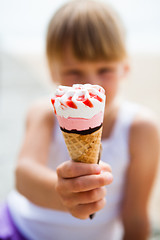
(37, 223)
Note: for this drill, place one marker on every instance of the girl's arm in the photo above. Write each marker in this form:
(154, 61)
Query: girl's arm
(144, 149)
(75, 187)
(33, 178)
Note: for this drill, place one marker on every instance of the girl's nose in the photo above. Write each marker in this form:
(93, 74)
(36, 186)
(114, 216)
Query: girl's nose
(91, 79)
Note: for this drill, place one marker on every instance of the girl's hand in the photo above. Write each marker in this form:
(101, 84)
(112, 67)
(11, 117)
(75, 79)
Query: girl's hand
(81, 187)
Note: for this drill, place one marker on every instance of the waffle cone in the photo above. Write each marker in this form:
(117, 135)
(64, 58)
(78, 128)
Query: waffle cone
(84, 148)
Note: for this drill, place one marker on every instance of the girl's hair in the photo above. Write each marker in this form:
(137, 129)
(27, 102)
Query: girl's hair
(90, 28)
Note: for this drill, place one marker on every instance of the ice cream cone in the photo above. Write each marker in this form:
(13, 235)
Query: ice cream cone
(83, 147)
(80, 110)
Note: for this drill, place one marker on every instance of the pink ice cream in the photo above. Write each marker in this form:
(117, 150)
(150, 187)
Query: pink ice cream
(79, 107)
(80, 123)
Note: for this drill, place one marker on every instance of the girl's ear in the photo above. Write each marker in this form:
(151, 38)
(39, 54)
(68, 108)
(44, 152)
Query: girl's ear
(125, 69)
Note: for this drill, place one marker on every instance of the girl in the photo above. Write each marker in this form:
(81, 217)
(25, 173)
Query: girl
(55, 196)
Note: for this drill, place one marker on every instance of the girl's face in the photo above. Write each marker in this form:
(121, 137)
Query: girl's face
(71, 71)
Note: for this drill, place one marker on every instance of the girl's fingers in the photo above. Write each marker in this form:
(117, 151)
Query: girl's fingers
(84, 210)
(73, 199)
(72, 169)
(90, 196)
(105, 166)
(85, 183)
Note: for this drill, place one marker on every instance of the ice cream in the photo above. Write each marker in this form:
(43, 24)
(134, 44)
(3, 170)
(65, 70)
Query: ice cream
(80, 124)
(80, 110)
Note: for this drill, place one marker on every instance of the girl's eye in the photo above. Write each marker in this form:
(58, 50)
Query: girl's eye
(105, 70)
(74, 73)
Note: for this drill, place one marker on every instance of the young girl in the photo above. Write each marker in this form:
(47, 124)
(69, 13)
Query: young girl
(55, 196)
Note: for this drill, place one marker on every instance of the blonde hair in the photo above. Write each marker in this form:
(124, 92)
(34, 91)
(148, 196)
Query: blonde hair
(91, 28)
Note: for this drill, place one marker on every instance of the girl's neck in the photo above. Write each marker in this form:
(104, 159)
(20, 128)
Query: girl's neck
(110, 117)
(111, 108)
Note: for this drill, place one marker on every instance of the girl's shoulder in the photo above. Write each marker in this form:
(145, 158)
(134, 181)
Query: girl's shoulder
(144, 132)
(145, 119)
(41, 110)
(141, 114)
(40, 113)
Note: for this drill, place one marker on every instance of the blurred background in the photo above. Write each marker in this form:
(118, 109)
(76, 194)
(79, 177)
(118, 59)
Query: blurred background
(24, 75)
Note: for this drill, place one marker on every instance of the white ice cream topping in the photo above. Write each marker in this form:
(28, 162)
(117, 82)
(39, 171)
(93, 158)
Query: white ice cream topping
(79, 101)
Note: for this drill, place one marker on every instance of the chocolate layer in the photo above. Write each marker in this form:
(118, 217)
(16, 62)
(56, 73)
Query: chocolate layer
(83, 132)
